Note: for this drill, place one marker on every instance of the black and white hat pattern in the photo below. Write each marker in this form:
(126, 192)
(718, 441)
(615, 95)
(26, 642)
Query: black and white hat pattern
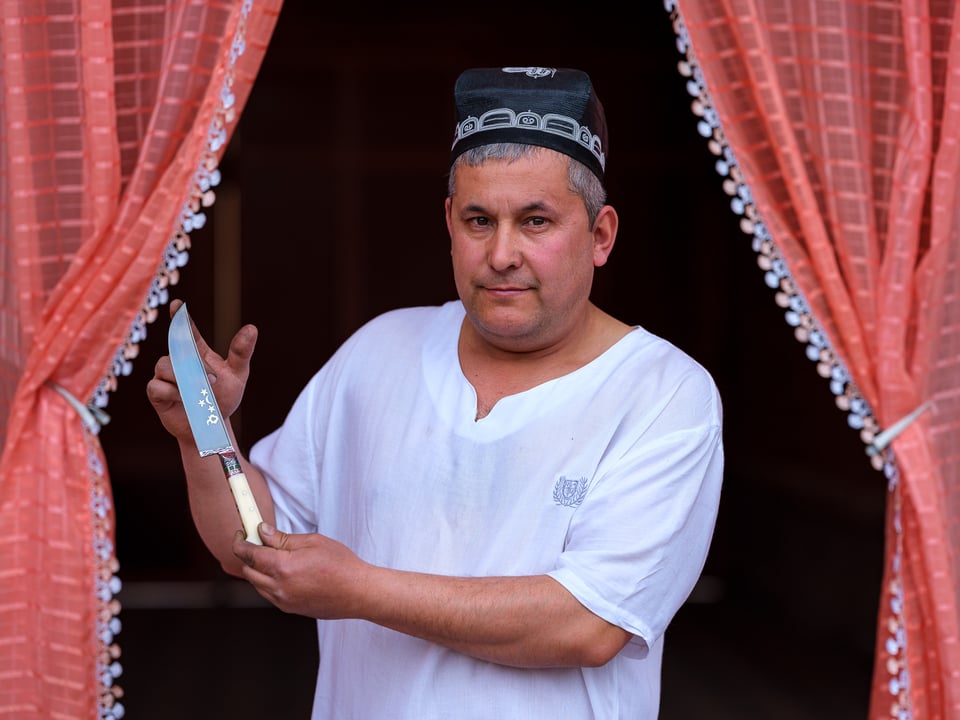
(555, 108)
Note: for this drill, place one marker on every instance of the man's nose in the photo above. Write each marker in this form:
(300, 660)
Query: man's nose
(505, 249)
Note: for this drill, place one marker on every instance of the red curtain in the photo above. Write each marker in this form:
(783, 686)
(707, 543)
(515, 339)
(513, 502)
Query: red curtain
(837, 131)
(113, 116)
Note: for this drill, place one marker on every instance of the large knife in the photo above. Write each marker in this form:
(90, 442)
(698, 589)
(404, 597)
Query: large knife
(206, 422)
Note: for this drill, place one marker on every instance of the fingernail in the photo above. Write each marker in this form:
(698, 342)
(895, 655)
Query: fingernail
(266, 529)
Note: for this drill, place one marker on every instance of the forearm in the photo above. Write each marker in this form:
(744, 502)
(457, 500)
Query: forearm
(530, 621)
(519, 621)
(212, 504)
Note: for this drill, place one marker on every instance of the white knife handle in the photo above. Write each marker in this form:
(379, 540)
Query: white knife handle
(246, 504)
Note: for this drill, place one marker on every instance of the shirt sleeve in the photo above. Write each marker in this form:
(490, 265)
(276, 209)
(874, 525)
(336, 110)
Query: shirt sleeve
(640, 539)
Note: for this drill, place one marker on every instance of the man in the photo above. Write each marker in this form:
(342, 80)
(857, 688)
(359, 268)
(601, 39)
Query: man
(493, 507)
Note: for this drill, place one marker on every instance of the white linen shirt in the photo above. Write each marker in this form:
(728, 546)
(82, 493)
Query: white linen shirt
(607, 479)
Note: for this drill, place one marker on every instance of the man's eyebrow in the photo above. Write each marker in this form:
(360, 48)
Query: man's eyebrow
(539, 205)
(531, 207)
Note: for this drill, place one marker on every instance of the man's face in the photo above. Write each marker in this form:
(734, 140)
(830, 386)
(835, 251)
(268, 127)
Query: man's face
(523, 252)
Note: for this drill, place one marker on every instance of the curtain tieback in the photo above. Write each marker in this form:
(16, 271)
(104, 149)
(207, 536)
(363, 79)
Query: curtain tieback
(887, 436)
(93, 417)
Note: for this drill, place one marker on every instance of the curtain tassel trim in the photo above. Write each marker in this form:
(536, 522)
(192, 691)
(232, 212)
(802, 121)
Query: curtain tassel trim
(107, 583)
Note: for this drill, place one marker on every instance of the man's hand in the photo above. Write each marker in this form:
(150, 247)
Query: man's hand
(307, 574)
(228, 378)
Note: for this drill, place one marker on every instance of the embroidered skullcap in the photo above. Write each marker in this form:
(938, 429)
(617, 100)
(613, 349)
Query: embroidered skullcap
(555, 108)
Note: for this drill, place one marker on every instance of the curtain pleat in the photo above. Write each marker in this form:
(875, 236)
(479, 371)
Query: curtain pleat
(114, 116)
(836, 124)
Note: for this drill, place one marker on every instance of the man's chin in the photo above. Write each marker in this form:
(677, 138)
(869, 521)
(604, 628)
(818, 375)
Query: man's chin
(513, 331)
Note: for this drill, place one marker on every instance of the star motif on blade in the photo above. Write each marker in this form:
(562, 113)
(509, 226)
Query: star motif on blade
(205, 402)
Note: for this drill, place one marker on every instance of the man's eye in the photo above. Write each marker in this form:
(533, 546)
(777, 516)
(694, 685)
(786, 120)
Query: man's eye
(537, 221)
(480, 221)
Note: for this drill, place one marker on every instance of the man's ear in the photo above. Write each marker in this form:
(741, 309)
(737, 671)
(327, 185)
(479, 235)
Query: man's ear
(604, 234)
(447, 208)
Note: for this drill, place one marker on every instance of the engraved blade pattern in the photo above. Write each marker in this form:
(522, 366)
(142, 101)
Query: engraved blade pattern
(206, 422)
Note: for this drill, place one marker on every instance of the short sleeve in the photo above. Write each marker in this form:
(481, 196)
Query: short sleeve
(639, 541)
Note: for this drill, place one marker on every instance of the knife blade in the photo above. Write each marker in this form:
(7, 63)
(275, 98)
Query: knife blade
(205, 419)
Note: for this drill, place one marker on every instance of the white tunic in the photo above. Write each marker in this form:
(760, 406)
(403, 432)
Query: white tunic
(607, 478)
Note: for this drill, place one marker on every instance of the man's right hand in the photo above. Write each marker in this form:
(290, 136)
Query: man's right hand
(228, 378)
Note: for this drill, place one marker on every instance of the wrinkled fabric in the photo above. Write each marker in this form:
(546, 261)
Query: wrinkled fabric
(112, 119)
(836, 124)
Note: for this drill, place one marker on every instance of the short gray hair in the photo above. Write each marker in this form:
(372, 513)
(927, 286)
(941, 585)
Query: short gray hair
(582, 180)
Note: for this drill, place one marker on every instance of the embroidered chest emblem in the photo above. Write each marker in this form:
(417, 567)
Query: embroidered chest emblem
(570, 491)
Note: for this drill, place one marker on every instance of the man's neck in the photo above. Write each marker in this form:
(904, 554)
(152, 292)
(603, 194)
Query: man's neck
(495, 372)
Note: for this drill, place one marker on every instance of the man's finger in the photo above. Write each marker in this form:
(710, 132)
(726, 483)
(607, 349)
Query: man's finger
(242, 549)
(241, 347)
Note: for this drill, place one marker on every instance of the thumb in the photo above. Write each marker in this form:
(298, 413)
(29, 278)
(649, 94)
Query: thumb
(271, 537)
(241, 348)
